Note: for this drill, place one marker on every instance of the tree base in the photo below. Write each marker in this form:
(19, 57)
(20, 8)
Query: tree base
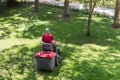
(66, 15)
(87, 34)
(12, 3)
(115, 26)
(35, 11)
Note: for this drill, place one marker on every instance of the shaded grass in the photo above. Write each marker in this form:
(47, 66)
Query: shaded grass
(86, 58)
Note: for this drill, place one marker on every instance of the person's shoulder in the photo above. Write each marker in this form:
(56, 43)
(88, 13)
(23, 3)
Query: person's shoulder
(50, 34)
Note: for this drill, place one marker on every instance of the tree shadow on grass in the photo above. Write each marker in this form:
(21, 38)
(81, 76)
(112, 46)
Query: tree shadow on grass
(24, 23)
(86, 71)
(19, 61)
(103, 35)
(66, 31)
(86, 67)
(69, 32)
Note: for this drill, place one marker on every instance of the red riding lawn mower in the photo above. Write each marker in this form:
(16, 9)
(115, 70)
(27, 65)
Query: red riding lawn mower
(48, 58)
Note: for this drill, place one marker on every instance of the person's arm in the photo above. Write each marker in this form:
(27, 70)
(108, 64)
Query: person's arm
(52, 37)
(43, 38)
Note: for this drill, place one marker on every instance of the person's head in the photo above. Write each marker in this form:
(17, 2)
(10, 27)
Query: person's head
(47, 30)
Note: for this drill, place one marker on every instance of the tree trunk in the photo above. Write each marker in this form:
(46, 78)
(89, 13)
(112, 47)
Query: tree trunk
(88, 25)
(91, 9)
(66, 8)
(36, 3)
(116, 22)
(11, 3)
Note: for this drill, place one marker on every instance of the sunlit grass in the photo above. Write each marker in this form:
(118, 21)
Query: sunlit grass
(8, 43)
(84, 58)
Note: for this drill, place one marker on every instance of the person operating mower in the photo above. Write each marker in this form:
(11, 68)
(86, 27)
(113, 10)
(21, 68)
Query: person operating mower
(48, 38)
(49, 56)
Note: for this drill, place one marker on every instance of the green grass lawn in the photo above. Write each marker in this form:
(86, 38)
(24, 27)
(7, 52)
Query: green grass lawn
(84, 58)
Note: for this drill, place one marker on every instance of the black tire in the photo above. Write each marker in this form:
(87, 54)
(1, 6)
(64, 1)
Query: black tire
(56, 61)
(58, 51)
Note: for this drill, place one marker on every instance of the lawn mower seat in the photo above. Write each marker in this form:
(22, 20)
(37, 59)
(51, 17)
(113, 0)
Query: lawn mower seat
(47, 47)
